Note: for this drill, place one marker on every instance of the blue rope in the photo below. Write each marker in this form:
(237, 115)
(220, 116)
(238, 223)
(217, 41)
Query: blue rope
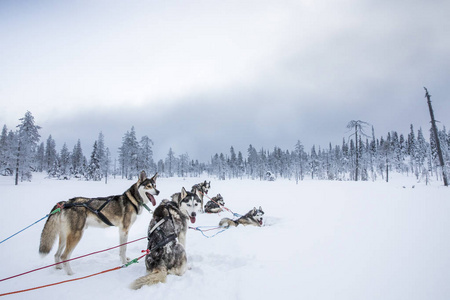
(24, 229)
(53, 212)
(208, 236)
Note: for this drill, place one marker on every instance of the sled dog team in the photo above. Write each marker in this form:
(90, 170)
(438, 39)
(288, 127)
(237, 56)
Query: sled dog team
(166, 231)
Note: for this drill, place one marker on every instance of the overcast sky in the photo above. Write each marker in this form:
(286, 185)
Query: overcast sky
(201, 76)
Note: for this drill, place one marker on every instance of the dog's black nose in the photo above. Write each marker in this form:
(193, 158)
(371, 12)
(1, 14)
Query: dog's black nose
(193, 214)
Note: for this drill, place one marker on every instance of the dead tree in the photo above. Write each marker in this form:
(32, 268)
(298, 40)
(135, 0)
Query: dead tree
(358, 126)
(435, 132)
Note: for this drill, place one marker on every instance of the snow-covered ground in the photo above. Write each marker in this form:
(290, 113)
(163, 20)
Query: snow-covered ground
(322, 240)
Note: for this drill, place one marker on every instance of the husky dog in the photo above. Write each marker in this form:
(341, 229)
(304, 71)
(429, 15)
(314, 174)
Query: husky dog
(201, 189)
(214, 205)
(167, 239)
(253, 217)
(78, 213)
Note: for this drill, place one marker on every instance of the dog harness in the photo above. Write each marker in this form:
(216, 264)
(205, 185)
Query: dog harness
(97, 212)
(166, 239)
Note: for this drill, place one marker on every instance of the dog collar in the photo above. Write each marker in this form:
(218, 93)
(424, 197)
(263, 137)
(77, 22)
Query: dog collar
(137, 203)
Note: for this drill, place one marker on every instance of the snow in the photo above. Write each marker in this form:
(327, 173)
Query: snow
(321, 240)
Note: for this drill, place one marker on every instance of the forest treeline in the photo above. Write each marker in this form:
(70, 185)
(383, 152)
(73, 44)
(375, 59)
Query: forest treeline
(361, 156)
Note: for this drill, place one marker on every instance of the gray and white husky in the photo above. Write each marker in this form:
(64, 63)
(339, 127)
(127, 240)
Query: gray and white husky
(253, 217)
(201, 189)
(167, 239)
(78, 213)
(214, 205)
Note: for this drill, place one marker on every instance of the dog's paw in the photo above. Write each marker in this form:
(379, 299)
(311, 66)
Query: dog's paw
(125, 260)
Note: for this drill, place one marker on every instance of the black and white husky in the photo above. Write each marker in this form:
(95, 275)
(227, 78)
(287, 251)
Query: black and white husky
(253, 217)
(214, 205)
(201, 189)
(167, 238)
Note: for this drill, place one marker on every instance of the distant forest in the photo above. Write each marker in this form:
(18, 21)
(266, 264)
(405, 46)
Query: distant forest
(361, 156)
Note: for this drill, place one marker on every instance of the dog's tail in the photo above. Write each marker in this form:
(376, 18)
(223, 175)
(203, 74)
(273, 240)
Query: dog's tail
(158, 275)
(226, 222)
(51, 229)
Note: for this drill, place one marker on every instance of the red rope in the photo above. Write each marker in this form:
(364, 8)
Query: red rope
(79, 278)
(82, 256)
(61, 282)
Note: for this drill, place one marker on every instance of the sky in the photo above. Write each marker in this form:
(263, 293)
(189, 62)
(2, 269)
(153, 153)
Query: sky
(202, 76)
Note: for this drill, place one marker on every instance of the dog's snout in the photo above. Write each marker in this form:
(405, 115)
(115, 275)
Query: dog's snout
(193, 214)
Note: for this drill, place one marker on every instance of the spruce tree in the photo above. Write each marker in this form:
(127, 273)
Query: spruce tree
(27, 143)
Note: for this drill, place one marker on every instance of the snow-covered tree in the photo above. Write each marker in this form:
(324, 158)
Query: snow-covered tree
(233, 165)
(145, 156)
(170, 163)
(65, 163)
(78, 161)
(6, 154)
(94, 171)
(128, 154)
(252, 162)
(28, 139)
(183, 165)
(50, 155)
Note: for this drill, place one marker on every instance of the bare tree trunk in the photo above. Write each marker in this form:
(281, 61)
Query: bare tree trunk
(17, 164)
(435, 131)
(387, 169)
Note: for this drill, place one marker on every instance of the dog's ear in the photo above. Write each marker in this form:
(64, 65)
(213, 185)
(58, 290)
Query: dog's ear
(260, 208)
(218, 195)
(155, 176)
(142, 177)
(183, 193)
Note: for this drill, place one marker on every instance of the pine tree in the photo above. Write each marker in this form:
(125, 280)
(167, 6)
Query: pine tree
(50, 155)
(170, 163)
(314, 164)
(233, 163)
(94, 171)
(40, 158)
(78, 161)
(28, 138)
(252, 161)
(146, 155)
(240, 165)
(412, 151)
(183, 165)
(161, 167)
(373, 154)
(102, 155)
(11, 152)
(5, 161)
(128, 154)
(65, 164)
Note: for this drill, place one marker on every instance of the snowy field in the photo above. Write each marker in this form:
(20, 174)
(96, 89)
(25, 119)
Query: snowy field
(321, 240)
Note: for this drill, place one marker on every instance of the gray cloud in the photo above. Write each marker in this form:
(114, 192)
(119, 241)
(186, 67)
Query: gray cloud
(206, 76)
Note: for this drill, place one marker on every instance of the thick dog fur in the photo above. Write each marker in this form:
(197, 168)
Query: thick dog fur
(70, 222)
(201, 189)
(253, 217)
(168, 258)
(213, 206)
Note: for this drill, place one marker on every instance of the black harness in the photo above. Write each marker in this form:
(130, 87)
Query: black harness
(157, 227)
(97, 212)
